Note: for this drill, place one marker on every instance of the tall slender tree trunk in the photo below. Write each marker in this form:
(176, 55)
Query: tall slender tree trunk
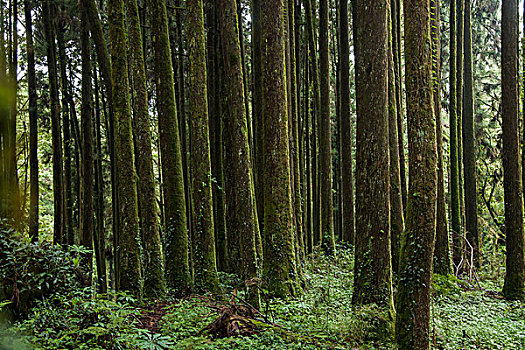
(68, 200)
(314, 67)
(104, 62)
(58, 190)
(279, 255)
(455, 209)
(373, 269)
(325, 142)
(293, 122)
(460, 6)
(257, 107)
(176, 228)
(469, 146)
(204, 240)
(415, 264)
(87, 224)
(346, 131)
(33, 125)
(154, 283)
(442, 250)
(99, 236)
(396, 201)
(241, 215)
(514, 286)
(128, 253)
(214, 108)
(398, 72)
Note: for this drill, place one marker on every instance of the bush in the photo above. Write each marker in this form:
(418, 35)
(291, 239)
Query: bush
(30, 271)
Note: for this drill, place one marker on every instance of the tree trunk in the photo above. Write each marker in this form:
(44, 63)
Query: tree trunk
(279, 262)
(241, 215)
(104, 62)
(346, 130)
(514, 287)
(176, 228)
(68, 200)
(154, 283)
(33, 125)
(203, 230)
(314, 67)
(129, 273)
(58, 190)
(373, 269)
(86, 228)
(415, 264)
(214, 108)
(442, 251)
(469, 146)
(455, 212)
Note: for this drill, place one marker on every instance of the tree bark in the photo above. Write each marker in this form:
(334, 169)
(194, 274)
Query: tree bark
(415, 266)
(241, 215)
(514, 286)
(86, 114)
(176, 228)
(442, 250)
(279, 260)
(469, 146)
(129, 269)
(58, 198)
(346, 131)
(204, 260)
(373, 269)
(33, 125)
(154, 282)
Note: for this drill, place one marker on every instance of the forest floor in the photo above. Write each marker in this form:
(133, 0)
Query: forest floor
(464, 316)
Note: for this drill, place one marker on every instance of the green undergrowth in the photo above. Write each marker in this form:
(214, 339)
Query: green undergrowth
(321, 318)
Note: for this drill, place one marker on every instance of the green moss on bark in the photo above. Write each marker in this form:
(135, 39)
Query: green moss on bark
(204, 260)
(128, 250)
(176, 232)
(417, 247)
(279, 264)
(154, 282)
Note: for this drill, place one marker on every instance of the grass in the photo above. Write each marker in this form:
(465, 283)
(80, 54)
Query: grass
(321, 318)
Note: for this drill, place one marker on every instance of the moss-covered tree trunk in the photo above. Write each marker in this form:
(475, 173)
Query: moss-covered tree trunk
(293, 124)
(99, 233)
(455, 213)
(460, 250)
(398, 72)
(241, 215)
(128, 250)
(314, 67)
(415, 264)
(373, 269)
(104, 62)
(346, 130)
(87, 224)
(257, 107)
(279, 262)
(215, 121)
(396, 201)
(58, 190)
(514, 287)
(33, 125)
(176, 231)
(153, 259)
(469, 146)
(442, 250)
(325, 143)
(204, 260)
(67, 142)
